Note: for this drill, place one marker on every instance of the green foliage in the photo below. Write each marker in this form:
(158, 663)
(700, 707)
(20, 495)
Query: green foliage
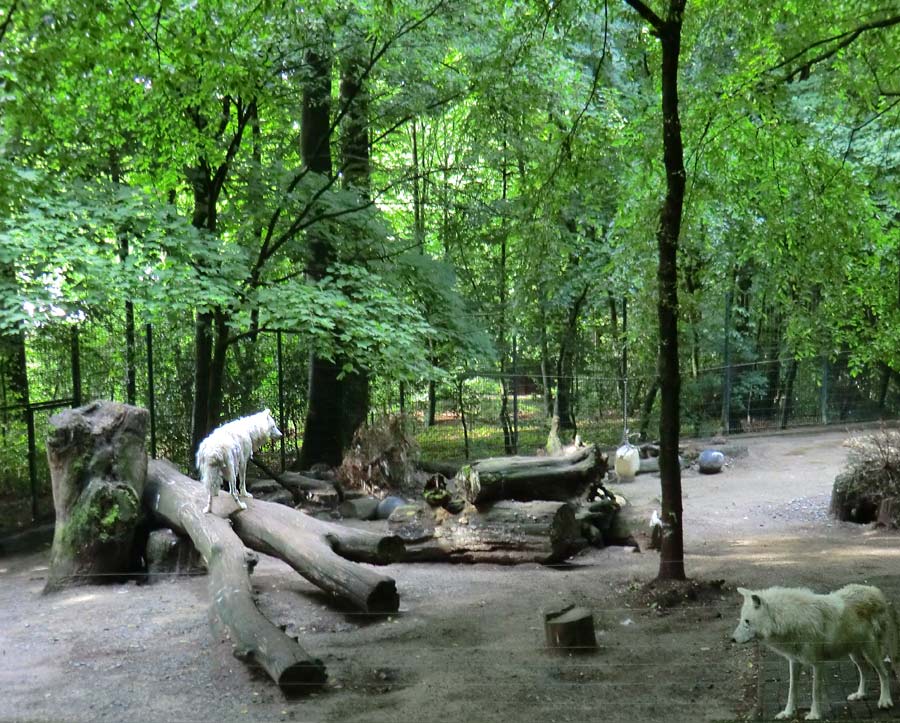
(514, 169)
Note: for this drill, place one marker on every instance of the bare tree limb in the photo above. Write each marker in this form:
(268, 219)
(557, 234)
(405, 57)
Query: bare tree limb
(839, 42)
(645, 12)
(7, 21)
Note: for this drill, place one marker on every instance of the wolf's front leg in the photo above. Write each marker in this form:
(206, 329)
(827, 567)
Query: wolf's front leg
(791, 706)
(884, 679)
(238, 501)
(815, 710)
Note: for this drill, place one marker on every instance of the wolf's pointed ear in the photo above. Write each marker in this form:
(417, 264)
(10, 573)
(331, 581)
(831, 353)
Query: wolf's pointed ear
(757, 601)
(744, 591)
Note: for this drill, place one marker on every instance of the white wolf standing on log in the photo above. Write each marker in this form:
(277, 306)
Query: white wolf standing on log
(225, 453)
(810, 629)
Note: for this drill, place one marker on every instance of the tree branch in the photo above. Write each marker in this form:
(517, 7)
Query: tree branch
(7, 22)
(841, 41)
(645, 12)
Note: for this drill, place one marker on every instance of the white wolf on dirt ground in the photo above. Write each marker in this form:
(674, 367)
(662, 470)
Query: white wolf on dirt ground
(225, 453)
(810, 629)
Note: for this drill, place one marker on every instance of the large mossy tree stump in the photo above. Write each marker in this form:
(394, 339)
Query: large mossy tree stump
(98, 467)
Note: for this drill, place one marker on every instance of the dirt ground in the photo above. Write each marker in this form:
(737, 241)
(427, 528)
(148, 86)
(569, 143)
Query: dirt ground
(467, 643)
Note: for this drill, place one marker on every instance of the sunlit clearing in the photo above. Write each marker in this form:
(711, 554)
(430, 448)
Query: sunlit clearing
(78, 599)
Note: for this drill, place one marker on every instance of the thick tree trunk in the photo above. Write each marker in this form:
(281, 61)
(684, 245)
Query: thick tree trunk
(531, 478)
(355, 395)
(546, 379)
(98, 466)
(176, 501)
(671, 559)
(217, 369)
(324, 428)
(647, 409)
(357, 175)
(203, 345)
(203, 217)
(506, 533)
(787, 408)
(432, 403)
(668, 29)
(565, 366)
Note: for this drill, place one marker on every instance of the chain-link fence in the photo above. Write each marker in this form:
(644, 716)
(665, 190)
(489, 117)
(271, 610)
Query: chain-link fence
(479, 414)
(487, 414)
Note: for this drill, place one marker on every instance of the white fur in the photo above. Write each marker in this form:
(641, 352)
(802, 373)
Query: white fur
(810, 629)
(225, 453)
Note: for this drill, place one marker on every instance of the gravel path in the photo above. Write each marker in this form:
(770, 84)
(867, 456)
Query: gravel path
(467, 644)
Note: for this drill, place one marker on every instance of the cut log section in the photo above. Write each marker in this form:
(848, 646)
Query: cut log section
(177, 501)
(570, 630)
(311, 547)
(531, 478)
(508, 533)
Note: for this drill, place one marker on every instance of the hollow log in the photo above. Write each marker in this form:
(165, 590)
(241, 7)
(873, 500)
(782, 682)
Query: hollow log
(311, 547)
(531, 478)
(177, 502)
(507, 533)
(98, 465)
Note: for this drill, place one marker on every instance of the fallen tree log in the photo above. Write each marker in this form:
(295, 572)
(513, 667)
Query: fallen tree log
(177, 502)
(317, 550)
(507, 533)
(532, 478)
(448, 469)
(300, 486)
(324, 553)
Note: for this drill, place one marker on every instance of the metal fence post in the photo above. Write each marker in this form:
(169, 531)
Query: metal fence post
(151, 391)
(515, 387)
(32, 460)
(76, 368)
(823, 399)
(281, 398)
(726, 377)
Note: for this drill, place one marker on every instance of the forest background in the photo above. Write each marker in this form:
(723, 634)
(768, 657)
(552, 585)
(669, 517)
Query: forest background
(450, 209)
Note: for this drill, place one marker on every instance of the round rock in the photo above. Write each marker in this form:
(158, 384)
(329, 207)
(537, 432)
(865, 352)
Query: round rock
(388, 505)
(711, 461)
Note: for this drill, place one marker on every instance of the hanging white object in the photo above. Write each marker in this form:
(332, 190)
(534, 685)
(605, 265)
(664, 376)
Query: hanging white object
(628, 461)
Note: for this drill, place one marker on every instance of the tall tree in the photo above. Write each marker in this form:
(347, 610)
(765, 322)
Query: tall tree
(668, 29)
(322, 438)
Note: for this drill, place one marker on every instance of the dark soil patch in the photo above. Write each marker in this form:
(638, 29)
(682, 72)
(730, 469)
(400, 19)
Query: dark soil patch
(664, 595)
